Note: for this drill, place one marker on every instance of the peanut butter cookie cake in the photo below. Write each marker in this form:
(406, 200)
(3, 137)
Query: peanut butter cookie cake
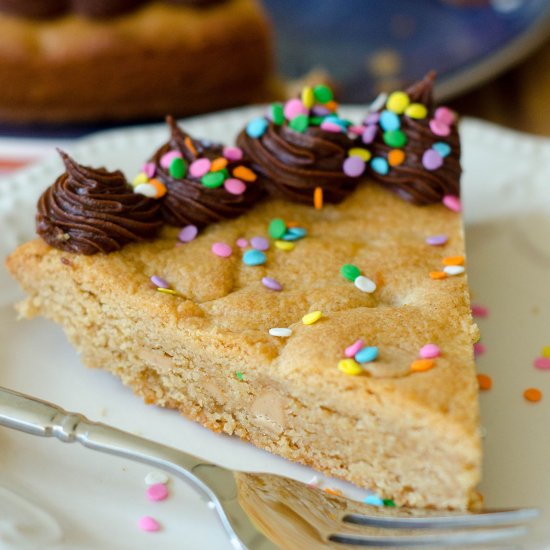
(303, 289)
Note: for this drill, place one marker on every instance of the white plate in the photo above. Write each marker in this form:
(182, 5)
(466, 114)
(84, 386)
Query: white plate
(69, 497)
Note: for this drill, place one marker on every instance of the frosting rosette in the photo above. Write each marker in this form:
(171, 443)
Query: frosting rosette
(198, 182)
(300, 149)
(90, 210)
(413, 146)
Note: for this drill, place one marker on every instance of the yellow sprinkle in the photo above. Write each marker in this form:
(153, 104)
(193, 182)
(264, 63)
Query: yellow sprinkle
(310, 318)
(287, 246)
(422, 365)
(140, 178)
(308, 98)
(416, 110)
(398, 102)
(546, 351)
(364, 154)
(167, 291)
(350, 366)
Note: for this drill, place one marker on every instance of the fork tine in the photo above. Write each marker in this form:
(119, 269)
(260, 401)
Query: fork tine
(462, 538)
(486, 518)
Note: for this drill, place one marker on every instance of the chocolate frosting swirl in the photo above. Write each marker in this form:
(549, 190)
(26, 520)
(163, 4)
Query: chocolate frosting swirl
(91, 210)
(293, 164)
(411, 180)
(187, 200)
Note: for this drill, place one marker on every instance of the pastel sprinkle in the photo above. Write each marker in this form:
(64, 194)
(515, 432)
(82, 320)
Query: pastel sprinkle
(367, 354)
(322, 93)
(445, 115)
(218, 164)
(365, 284)
(373, 118)
(234, 186)
(294, 234)
(350, 272)
(146, 189)
(380, 165)
(429, 351)
(349, 366)
(277, 228)
(364, 154)
(199, 167)
(213, 180)
(378, 103)
(294, 107)
(239, 375)
(330, 126)
(439, 128)
(444, 149)
(452, 270)
(307, 96)
(479, 349)
(168, 291)
(318, 198)
(416, 110)
(389, 121)
(140, 178)
(221, 249)
(271, 283)
(437, 275)
(160, 188)
(280, 332)
(245, 174)
(395, 138)
(155, 477)
(396, 157)
(542, 363)
(242, 243)
(373, 500)
(256, 127)
(157, 492)
(350, 351)
(149, 169)
(480, 311)
(233, 153)
(532, 394)
(545, 351)
(389, 503)
(453, 260)
(437, 240)
(167, 158)
(312, 317)
(299, 123)
(177, 168)
(259, 243)
(287, 246)
(159, 282)
(369, 134)
(452, 202)
(484, 382)
(432, 160)
(398, 102)
(277, 114)
(149, 524)
(254, 257)
(422, 365)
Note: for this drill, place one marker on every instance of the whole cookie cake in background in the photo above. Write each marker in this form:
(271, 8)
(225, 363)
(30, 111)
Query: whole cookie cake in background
(69, 61)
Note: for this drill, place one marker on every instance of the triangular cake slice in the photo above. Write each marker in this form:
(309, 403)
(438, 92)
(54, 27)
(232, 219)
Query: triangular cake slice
(186, 321)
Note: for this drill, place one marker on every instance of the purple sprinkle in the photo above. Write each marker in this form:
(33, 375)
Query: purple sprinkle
(320, 110)
(431, 160)
(149, 169)
(369, 134)
(271, 283)
(354, 166)
(188, 233)
(437, 240)
(259, 243)
(242, 243)
(372, 118)
(159, 282)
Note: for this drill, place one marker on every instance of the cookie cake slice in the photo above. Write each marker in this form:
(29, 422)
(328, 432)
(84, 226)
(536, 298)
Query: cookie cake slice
(304, 290)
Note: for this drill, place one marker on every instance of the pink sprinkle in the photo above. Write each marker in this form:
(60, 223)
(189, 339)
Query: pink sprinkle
(242, 243)
(199, 167)
(542, 363)
(329, 126)
(157, 491)
(429, 351)
(188, 233)
(221, 249)
(439, 128)
(147, 523)
(149, 169)
(445, 115)
(167, 158)
(350, 351)
(234, 186)
(233, 153)
(479, 349)
(452, 202)
(357, 130)
(437, 240)
(259, 243)
(480, 311)
(293, 108)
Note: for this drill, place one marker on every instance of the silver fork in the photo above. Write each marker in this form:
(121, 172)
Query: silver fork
(287, 510)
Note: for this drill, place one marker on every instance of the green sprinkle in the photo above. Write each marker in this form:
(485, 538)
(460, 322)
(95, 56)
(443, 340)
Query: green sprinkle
(389, 502)
(395, 138)
(277, 113)
(316, 120)
(213, 179)
(277, 228)
(350, 272)
(299, 123)
(178, 168)
(323, 94)
(239, 375)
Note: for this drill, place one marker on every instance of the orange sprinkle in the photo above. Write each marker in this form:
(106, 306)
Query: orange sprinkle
(292, 224)
(331, 105)
(485, 382)
(318, 198)
(336, 492)
(218, 164)
(244, 173)
(159, 186)
(532, 394)
(437, 275)
(421, 365)
(190, 146)
(396, 157)
(453, 260)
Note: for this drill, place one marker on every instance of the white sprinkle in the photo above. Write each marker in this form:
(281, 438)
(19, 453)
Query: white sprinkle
(146, 189)
(152, 478)
(453, 269)
(365, 284)
(281, 332)
(378, 103)
(314, 482)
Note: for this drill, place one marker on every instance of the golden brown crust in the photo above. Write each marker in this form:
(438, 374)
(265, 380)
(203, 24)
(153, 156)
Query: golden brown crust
(413, 437)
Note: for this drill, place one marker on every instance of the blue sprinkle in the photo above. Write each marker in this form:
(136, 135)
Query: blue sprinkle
(389, 121)
(294, 234)
(254, 257)
(257, 127)
(442, 148)
(373, 500)
(337, 120)
(380, 165)
(367, 354)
